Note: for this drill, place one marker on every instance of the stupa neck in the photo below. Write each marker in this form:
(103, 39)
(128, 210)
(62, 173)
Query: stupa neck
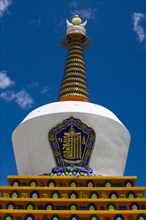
(74, 83)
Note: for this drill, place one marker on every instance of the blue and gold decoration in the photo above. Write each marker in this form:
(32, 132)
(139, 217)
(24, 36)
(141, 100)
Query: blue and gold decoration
(72, 142)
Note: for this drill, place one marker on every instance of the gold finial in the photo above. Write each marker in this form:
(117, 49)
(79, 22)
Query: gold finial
(76, 20)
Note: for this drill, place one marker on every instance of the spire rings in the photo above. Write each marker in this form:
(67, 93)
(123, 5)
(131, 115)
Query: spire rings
(73, 84)
(70, 79)
(76, 51)
(71, 60)
(75, 56)
(76, 69)
(71, 64)
(75, 74)
(73, 94)
(73, 89)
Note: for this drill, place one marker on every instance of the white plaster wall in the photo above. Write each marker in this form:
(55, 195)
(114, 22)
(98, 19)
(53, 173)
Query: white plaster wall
(33, 152)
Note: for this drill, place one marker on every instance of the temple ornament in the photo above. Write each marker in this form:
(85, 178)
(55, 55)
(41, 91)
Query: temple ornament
(72, 142)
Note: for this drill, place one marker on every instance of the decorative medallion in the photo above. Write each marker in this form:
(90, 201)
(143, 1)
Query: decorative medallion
(72, 142)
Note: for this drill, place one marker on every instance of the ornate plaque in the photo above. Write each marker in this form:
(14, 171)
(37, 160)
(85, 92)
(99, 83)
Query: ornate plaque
(72, 143)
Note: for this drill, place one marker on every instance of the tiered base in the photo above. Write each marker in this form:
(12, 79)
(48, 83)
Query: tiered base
(72, 198)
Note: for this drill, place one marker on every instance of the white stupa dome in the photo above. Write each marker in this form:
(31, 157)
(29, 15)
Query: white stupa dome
(33, 152)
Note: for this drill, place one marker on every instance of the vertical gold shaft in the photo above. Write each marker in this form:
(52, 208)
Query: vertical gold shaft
(74, 85)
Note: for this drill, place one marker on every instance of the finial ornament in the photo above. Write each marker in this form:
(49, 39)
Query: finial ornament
(76, 21)
(76, 27)
(69, 24)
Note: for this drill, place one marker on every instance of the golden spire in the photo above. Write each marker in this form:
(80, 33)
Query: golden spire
(74, 85)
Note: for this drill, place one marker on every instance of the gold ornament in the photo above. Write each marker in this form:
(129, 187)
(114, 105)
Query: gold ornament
(76, 20)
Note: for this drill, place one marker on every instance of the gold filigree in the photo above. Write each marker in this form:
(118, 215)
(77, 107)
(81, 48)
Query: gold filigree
(75, 43)
(74, 55)
(75, 64)
(73, 94)
(74, 84)
(75, 51)
(76, 39)
(71, 89)
(75, 60)
(72, 143)
(74, 79)
(75, 47)
(74, 74)
(75, 69)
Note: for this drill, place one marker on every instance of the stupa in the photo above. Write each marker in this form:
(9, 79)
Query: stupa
(71, 154)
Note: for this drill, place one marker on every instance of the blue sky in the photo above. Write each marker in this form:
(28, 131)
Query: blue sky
(32, 63)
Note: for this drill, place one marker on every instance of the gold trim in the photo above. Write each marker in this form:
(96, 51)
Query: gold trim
(73, 94)
(75, 79)
(75, 74)
(76, 43)
(75, 51)
(74, 69)
(75, 64)
(75, 47)
(76, 39)
(75, 60)
(74, 55)
(72, 89)
(73, 84)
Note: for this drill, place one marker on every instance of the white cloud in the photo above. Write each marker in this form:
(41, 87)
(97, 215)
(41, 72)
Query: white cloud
(5, 81)
(4, 4)
(87, 13)
(44, 90)
(137, 27)
(33, 85)
(73, 3)
(22, 98)
(36, 22)
(59, 24)
(8, 95)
